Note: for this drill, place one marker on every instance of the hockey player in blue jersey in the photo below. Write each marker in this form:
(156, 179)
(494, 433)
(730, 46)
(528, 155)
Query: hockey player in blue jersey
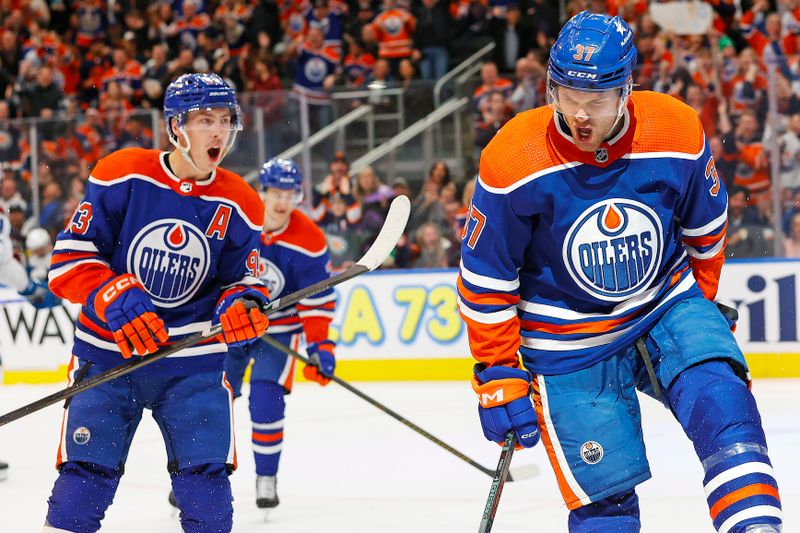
(590, 261)
(163, 245)
(294, 255)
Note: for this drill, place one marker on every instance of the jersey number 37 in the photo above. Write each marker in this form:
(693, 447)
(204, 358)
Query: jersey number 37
(473, 226)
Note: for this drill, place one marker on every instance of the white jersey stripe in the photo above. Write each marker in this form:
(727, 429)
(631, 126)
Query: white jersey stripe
(267, 450)
(753, 467)
(703, 230)
(301, 250)
(60, 271)
(487, 318)
(563, 345)
(751, 512)
(486, 282)
(74, 245)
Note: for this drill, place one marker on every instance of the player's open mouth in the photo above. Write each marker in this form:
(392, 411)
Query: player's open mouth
(213, 154)
(584, 134)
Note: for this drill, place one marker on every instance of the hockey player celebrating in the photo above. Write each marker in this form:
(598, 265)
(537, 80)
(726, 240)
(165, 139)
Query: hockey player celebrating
(593, 250)
(294, 255)
(162, 246)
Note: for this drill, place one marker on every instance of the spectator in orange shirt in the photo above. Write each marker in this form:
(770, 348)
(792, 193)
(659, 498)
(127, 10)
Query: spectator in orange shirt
(491, 83)
(394, 29)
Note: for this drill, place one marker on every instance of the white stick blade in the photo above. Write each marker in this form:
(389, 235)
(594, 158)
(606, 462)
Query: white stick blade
(522, 472)
(390, 233)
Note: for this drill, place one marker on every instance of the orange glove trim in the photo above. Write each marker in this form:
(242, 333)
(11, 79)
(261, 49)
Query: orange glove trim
(500, 391)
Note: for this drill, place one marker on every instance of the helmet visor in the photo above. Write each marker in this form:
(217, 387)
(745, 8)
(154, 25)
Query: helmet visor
(584, 104)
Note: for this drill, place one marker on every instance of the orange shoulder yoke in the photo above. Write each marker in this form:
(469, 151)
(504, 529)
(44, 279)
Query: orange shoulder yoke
(231, 186)
(303, 233)
(128, 161)
(519, 149)
(665, 124)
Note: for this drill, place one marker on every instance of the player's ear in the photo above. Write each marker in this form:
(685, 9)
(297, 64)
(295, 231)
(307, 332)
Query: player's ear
(173, 125)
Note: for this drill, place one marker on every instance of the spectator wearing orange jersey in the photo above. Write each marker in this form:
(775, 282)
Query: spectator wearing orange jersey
(491, 83)
(752, 169)
(747, 88)
(772, 42)
(357, 65)
(186, 27)
(394, 32)
(127, 73)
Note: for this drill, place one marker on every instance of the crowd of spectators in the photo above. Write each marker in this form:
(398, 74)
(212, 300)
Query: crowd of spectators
(91, 70)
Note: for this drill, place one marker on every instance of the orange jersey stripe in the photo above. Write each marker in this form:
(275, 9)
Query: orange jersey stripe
(706, 240)
(738, 495)
(570, 498)
(601, 326)
(487, 298)
(258, 437)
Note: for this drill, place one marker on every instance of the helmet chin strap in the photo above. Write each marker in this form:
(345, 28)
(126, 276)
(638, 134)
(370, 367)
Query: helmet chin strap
(184, 151)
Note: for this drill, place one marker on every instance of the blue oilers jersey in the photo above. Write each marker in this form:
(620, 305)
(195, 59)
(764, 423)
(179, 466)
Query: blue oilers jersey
(293, 258)
(186, 241)
(569, 256)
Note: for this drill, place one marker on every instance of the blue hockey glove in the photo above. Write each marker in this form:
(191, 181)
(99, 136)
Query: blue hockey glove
(124, 305)
(242, 325)
(39, 295)
(323, 362)
(505, 404)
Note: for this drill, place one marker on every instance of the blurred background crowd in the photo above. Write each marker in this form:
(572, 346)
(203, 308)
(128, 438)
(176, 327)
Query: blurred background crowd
(90, 74)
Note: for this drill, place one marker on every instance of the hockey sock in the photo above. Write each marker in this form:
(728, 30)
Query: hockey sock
(81, 495)
(267, 412)
(719, 414)
(204, 498)
(618, 513)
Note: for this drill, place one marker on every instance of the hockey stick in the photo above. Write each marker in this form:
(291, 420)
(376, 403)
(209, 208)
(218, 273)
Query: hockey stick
(499, 480)
(523, 472)
(390, 233)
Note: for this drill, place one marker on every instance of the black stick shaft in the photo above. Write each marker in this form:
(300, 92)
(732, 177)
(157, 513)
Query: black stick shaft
(188, 342)
(498, 482)
(282, 347)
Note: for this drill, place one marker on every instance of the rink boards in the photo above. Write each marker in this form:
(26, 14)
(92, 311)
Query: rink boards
(404, 325)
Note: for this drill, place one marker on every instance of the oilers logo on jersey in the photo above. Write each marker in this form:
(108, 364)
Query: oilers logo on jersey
(393, 25)
(171, 258)
(315, 70)
(613, 249)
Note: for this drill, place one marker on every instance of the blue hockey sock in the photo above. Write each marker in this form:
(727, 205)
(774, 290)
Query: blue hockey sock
(81, 495)
(267, 412)
(720, 416)
(204, 498)
(618, 513)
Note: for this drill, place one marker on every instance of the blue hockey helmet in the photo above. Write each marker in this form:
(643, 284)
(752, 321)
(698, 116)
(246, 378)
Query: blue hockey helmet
(192, 92)
(593, 52)
(281, 174)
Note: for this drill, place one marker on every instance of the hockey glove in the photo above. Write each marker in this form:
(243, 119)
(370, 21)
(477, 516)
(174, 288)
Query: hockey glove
(123, 304)
(242, 324)
(505, 404)
(39, 295)
(323, 362)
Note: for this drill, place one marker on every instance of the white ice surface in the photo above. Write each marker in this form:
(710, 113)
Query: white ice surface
(349, 467)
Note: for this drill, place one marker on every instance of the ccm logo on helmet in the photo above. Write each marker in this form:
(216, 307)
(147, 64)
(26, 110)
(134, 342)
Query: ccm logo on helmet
(113, 289)
(585, 75)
